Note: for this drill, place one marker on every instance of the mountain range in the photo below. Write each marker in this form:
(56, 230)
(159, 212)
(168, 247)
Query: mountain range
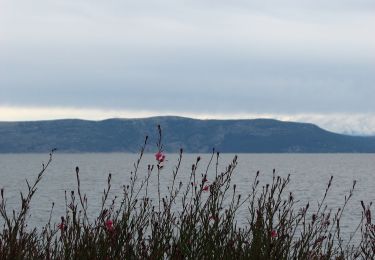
(193, 135)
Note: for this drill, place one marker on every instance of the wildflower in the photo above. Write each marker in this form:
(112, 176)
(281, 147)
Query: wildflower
(160, 157)
(206, 188)
(109, 225)
(273, 233)
(61, 226)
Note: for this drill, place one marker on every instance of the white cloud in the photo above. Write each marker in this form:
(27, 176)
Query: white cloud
(320, 29)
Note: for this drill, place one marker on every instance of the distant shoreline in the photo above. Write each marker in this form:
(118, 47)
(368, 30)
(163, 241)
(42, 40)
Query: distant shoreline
(193, 135)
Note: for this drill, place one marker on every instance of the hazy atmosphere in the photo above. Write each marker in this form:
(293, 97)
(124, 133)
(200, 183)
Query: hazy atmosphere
(308, 61)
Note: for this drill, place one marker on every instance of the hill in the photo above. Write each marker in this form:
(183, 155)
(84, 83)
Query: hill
(127, 135)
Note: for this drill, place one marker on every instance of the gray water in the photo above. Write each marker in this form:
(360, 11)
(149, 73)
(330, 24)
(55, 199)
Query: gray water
(309, 176)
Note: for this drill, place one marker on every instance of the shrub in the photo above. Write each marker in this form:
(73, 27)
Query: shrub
(194, 220)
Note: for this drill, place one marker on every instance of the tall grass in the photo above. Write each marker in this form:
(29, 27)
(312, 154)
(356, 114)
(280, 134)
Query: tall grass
(193, 220)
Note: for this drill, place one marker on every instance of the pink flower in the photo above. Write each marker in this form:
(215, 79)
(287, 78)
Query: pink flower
(273, 233)
(206, 188)
(160, 157)
(61, 226)
(109, 225)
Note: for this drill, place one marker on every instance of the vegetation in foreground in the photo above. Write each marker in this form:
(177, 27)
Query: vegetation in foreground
(203, 227)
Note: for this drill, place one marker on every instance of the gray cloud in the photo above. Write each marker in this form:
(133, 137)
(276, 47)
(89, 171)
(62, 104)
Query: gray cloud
(200, 79)
(197, 56)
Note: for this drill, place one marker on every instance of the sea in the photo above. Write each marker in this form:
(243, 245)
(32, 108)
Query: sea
(309, 176)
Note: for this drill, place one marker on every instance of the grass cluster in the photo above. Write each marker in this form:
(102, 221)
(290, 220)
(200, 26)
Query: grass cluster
(193, 220)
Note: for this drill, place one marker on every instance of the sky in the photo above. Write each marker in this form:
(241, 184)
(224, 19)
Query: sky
(293, 60)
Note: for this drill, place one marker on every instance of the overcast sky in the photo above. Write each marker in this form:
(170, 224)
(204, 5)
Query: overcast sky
(298, 60)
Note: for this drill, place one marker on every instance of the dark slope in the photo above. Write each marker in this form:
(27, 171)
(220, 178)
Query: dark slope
(113, 135)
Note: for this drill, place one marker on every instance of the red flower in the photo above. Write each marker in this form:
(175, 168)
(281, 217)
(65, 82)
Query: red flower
(160, 157)
(204, 180)
(109, 225)
(61, 226)
(206, 188)
(273, 233)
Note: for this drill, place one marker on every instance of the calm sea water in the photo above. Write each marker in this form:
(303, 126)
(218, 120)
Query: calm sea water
(309, 176)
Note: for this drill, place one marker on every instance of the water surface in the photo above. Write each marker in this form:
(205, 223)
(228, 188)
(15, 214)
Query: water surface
(309, 176)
